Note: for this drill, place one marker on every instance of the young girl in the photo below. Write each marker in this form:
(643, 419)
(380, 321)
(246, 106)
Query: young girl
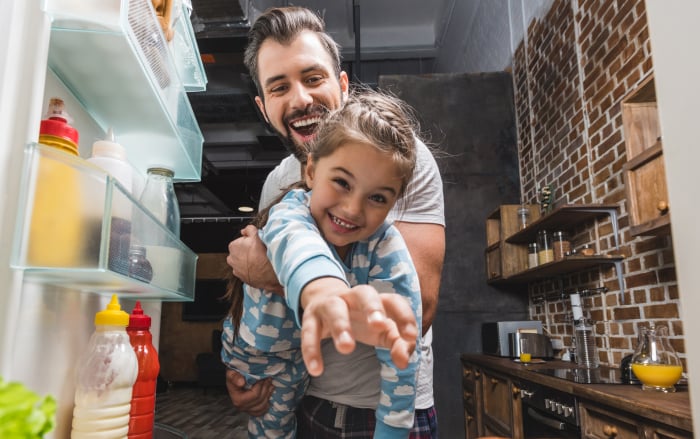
(357, 169)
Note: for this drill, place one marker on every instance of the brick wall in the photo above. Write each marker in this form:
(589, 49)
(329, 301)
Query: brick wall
(570, 74)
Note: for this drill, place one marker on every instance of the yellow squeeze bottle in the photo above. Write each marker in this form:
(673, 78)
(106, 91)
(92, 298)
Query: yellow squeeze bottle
(56, 229)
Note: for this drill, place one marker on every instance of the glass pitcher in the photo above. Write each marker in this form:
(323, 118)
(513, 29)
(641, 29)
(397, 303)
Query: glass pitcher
(655, 363)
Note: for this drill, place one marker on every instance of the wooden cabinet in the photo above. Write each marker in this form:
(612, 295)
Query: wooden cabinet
(644, 172)
(599, 422)
(504, 259)
(471, 395)
(491, 404)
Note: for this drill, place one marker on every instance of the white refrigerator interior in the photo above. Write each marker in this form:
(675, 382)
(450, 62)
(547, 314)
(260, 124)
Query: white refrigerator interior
(44, 328)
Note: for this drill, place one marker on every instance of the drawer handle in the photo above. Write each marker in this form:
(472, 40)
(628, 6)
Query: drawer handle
(610, 431)
(494, 381)
(467, 373)
(515, 390)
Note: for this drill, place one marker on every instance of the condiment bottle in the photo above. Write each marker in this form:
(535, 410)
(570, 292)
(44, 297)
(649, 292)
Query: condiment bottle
(56, 228)
(143, 402)
(545, 253)
(111, 157)
(561, 245)
(105, 378)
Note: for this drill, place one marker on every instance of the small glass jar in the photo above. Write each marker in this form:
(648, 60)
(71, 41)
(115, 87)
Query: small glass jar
(532, 256)
(523, 216)
(561, 244)
(545, 253)
(139, 267)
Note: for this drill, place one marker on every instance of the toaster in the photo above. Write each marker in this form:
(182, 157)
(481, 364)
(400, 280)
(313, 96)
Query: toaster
(539, 345)
(494, 335)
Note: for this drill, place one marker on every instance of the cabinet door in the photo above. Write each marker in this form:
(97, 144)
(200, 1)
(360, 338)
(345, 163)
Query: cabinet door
(498, 407)
(471, 395)
(601, 423)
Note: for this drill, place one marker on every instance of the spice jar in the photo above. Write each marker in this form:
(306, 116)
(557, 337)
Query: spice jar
(561, 244)
(523, 216)
(532, 256)
(545, 253)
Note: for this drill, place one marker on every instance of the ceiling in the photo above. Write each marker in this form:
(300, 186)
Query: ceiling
(239, 150)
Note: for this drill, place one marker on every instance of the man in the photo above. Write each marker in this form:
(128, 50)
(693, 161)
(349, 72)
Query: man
(296, 68)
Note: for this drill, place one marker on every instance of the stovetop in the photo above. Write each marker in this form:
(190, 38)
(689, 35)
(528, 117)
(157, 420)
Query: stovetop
(598, 375)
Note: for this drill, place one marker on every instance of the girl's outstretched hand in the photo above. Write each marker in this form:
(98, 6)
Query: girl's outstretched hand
(331, 309)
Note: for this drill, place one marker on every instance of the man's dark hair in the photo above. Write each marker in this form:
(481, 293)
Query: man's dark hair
(283, 25)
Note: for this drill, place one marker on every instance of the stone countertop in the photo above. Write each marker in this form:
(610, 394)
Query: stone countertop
(668, 408)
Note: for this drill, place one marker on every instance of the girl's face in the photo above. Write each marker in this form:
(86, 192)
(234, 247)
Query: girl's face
(354, 189)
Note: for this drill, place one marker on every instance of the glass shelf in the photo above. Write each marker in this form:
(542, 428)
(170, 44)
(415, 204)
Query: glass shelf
(113, 57)
(185, 52)
(76, 226)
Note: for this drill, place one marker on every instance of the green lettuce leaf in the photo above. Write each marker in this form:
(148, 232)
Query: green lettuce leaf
(23, 413)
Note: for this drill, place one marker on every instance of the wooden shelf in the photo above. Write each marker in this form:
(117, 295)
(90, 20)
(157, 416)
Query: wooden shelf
(569, 264)
(563, 217)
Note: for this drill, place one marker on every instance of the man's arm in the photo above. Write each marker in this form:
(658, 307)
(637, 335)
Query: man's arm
(426, 244)
(247, 257)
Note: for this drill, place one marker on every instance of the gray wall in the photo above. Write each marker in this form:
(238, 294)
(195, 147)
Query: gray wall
(470, 119)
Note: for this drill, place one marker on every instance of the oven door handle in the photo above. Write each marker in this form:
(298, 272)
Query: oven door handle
(552, 423)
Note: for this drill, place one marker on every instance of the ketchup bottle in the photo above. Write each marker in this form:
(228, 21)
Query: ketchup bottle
(143, 401)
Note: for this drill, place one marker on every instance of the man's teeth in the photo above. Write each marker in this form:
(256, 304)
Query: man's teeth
(342, 223)
(306, 122)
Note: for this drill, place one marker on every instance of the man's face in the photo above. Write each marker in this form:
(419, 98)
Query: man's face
(299, 88)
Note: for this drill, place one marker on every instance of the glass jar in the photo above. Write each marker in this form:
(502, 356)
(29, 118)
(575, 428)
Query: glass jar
(655, 363)
(532, 256)
(561, 244)
(523, 216)
(139, 267)
(545, 253)
(159, 198)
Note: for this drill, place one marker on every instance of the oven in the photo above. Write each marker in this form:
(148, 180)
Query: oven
(548, 413)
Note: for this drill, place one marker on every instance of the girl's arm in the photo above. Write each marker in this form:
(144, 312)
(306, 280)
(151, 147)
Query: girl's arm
(315, 283)
(392, 272)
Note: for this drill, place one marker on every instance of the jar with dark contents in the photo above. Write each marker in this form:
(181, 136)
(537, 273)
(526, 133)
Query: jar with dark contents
(561, 244)
(139, 267)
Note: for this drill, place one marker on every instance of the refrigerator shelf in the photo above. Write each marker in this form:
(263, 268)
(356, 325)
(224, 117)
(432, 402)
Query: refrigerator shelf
(113, 57)
(77, 225)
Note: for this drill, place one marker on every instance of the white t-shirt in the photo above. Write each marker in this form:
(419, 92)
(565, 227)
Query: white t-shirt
(426, 205)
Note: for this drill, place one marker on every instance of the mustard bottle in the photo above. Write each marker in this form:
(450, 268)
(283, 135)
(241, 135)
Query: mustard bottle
(56, 228)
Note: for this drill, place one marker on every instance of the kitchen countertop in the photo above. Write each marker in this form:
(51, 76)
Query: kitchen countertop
(668, 408)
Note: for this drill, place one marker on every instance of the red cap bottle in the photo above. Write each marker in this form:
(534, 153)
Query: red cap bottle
(143, 401)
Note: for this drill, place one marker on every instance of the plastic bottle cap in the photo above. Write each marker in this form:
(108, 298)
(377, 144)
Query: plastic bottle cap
(113, 314)
(137, 319)
(56, 124)
(108, 148)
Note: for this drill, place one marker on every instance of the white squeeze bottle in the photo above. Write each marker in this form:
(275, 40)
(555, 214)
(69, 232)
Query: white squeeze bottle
(105, 377)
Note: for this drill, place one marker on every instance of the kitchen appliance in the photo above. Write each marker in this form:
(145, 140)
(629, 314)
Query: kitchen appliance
(494, 335)
(539, 345)
(46, 314)
(548, 413)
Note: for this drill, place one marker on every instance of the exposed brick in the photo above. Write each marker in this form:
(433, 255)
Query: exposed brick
(666, 310)
(667, 274)
(627, 313)
(641, 279)
(657, 294)
(651, 261)
(619, 342)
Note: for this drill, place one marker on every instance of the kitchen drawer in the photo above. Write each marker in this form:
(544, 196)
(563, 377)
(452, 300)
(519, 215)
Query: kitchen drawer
(601, 423)
(664, 432)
